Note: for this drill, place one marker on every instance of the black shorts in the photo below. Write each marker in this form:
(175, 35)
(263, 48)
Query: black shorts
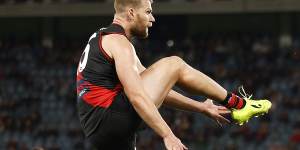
(111, 128)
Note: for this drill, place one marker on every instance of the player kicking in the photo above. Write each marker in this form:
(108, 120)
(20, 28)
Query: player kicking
(116, 92)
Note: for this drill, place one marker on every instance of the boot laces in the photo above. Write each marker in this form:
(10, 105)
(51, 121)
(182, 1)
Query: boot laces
(243, 93)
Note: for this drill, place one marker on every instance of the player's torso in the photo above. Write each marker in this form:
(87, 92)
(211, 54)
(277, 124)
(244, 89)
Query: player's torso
(96, 66)
(97, 80)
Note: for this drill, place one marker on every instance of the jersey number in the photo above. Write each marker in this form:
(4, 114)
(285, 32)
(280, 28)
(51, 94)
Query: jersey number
(85, 55)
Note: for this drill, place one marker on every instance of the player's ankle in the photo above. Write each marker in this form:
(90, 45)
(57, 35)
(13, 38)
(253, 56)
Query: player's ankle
(233, 101)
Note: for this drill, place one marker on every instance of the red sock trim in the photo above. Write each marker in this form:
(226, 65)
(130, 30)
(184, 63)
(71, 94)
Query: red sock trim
(240, 104)
(232, 101)
(235, 102)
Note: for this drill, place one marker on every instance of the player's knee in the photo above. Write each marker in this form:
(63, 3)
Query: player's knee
(175, 60)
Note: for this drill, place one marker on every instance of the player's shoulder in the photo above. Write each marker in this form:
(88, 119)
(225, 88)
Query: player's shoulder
(117, 41)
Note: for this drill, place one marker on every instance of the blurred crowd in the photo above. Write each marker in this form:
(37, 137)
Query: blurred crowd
(38, 96)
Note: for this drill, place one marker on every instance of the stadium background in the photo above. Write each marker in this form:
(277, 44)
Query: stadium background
(255, 43)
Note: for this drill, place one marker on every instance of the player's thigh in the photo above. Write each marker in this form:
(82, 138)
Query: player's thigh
(160, 77)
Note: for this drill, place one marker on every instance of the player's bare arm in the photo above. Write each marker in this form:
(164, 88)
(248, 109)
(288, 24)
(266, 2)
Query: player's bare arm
(124, 56)
(179, 101)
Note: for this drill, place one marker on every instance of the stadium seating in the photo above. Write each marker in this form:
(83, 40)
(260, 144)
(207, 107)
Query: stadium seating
(38, 96)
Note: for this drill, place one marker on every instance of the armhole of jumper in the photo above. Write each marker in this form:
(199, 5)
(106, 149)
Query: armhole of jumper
(108, 58)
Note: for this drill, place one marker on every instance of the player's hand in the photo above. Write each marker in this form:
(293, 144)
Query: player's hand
(215, 112)
(173, 143)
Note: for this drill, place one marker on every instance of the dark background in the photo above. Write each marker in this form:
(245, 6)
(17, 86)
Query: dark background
(251, 43)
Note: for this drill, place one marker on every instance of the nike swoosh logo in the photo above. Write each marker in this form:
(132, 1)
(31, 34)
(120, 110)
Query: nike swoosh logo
(257, 106)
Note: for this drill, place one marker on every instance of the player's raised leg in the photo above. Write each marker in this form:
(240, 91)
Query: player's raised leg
(160, 77)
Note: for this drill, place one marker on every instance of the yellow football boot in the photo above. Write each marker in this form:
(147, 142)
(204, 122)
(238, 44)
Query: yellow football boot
(252, 108)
